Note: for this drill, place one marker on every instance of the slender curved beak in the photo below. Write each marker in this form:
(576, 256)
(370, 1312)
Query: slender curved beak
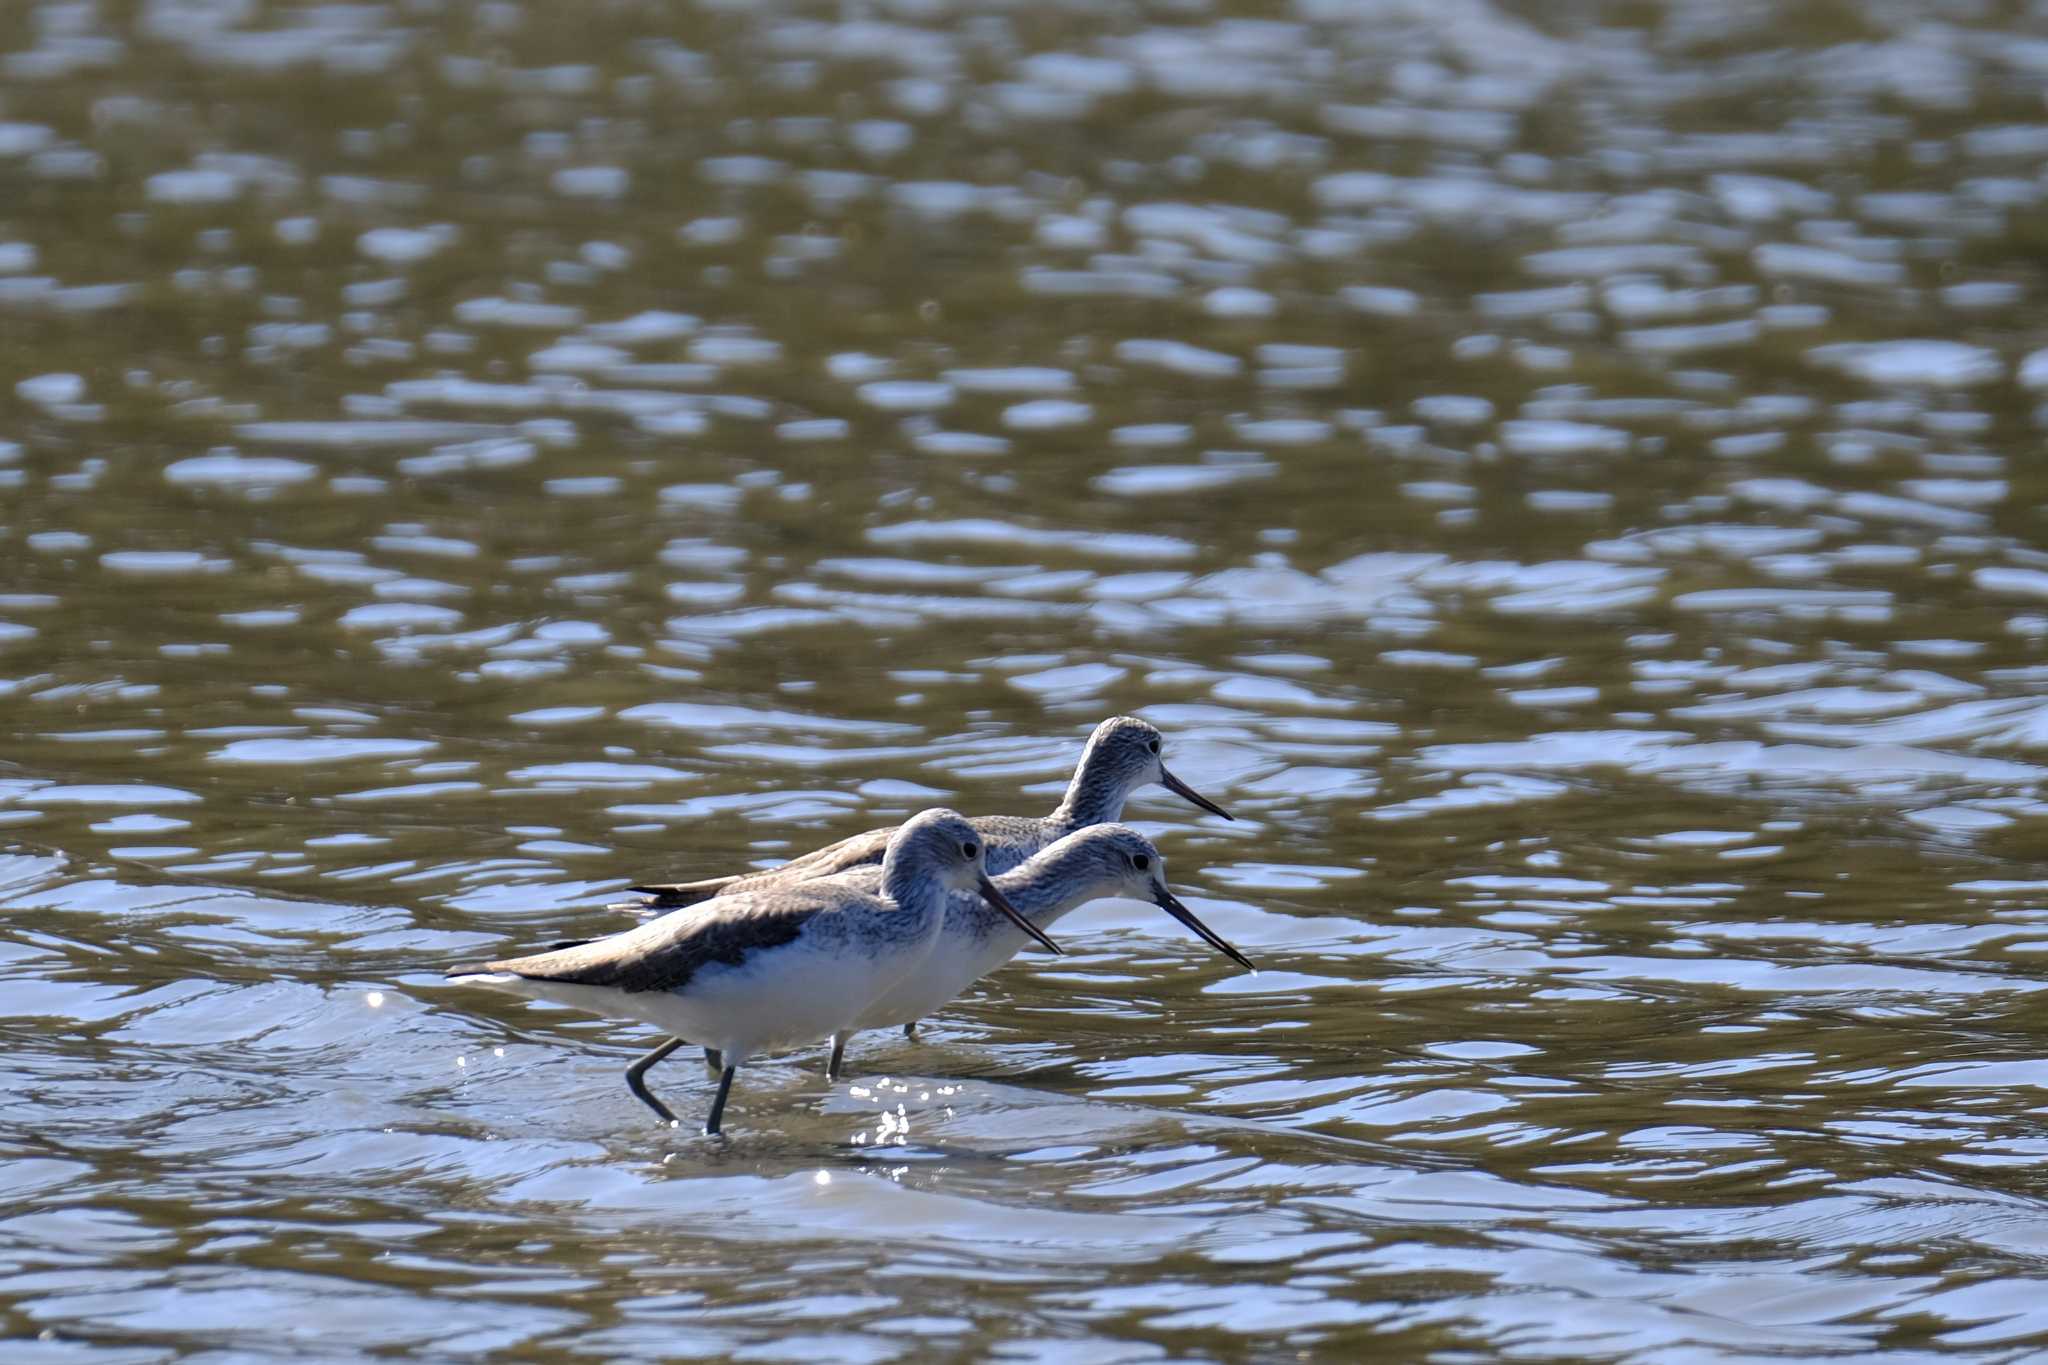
(1002, 903)
(1168, 902)
(1187, 793)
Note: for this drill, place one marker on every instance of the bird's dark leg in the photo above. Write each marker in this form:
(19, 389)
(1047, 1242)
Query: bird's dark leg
(713, 1060)
(838, 1056)
(636, 1078)
(718, 1101)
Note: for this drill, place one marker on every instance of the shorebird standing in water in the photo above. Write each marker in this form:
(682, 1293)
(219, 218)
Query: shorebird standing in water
(1105, 860)
(769, 969)
(1122, 755)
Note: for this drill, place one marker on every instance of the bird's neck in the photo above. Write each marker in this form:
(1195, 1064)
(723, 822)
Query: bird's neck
(913, 889)
(1094, 797)
(1046, 888)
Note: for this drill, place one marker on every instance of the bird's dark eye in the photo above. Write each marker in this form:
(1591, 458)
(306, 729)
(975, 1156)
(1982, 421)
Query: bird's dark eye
(1140, 861)
(1153, 745)
(969, 850)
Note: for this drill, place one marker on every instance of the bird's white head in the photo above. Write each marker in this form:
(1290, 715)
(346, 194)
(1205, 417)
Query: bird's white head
(1120, 862)
(1116, 860)
(940, 844)
(1124, 754)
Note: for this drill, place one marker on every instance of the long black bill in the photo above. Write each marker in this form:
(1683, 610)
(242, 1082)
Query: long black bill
(1002, 903)
(1187, 793)
(1168, 902)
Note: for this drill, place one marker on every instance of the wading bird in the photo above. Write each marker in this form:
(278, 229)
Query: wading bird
(767, 969)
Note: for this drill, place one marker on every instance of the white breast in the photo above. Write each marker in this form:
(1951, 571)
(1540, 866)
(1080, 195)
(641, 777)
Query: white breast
(788, 996)
(969, 947)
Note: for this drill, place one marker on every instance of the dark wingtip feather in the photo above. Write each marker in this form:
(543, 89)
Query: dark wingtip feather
(672, 897)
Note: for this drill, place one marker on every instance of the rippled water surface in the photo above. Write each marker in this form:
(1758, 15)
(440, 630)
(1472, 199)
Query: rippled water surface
(1568, 476)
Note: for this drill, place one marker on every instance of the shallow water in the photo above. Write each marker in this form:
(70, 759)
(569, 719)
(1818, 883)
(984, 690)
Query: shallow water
(1566, 477)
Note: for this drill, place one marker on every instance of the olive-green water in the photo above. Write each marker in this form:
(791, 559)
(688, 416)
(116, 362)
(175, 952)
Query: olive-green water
(1569, 477)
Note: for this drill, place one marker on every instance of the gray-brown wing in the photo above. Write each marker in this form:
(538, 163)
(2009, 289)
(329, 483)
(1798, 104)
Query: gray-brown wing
(859, 850)
(675, 895)
(663, 954)
(1011, 839)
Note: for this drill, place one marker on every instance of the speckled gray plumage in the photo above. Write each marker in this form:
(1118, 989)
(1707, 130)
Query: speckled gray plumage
(1117, 760)
(859, 850)
(1045, 884)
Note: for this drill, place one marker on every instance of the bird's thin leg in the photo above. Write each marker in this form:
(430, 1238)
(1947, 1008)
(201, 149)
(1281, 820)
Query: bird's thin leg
(718, 1101)
(713, 1060)
(636, 1078)
(838, 1055)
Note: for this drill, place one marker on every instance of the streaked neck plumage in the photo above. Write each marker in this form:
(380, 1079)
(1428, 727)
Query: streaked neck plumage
(1096, 796)
(912, 883)
(1055, 882)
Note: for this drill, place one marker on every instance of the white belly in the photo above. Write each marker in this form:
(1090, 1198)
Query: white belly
(777, 999)
(954, 963)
